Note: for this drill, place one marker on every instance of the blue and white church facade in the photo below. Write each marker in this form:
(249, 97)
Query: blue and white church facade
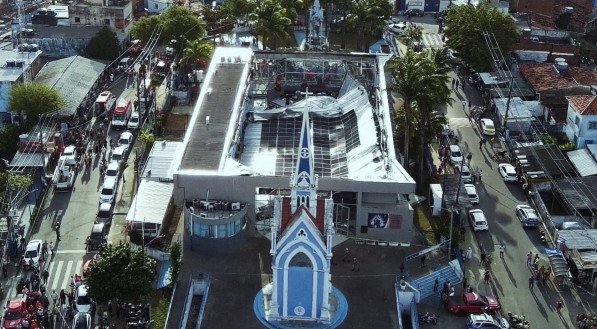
(301, 247)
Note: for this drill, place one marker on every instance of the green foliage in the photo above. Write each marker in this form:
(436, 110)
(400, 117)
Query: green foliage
(9, 141)
(412, 35)
(238, 8)
(366, 19)
(218, 21)
(11, 181)
(196, 51)
(464, 29)
(175, 261)
(271, 22)
(442, 60)
(121, 272)
(104, 45)
(567, 147)
(146, 138)
(177, 23)
(549, 140)
(32, 100)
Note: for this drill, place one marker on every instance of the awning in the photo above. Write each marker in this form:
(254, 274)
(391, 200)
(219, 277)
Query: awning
(21, 161)
(151, 202)
(583, 161)
(558, 264)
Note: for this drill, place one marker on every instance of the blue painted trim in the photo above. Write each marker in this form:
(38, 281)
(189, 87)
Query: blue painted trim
(337, 319)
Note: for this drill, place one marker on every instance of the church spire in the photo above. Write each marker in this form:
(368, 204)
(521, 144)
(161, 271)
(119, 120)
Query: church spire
(304, 181)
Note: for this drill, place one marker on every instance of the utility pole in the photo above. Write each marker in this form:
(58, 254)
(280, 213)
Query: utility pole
(139, 74)
(454, 206)
(505, 124)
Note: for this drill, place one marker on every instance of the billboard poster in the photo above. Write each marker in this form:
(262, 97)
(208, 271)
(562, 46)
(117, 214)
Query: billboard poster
(376, 220)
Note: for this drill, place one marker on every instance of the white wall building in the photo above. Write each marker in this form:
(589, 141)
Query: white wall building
(581, 120)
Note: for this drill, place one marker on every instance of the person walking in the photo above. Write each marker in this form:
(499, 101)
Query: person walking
(453, 83)
(487, 276)
(481, 143)
(502, 250)
(480, 175)
(355, 264)
(4, 271)
(469, 157)
(346, 257)
(531, 282)
(529, 257)
(51, 248)
(45, 275)
(57, 228)
(436, 284)
(62, 297)
(457, 81)
(559, 306)
(483, 258)
(423, 258)
(44, 249)
(469, 253)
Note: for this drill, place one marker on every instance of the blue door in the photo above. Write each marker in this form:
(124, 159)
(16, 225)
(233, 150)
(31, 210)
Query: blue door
(431, 6)
(300, 291)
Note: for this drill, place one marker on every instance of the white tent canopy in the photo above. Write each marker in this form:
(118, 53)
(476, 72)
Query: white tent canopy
(151, 202)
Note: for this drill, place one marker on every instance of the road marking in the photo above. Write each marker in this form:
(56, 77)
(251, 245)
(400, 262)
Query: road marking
(81, 251)
(51, 268)
(79, 268)
(58, 268)
(67, 275)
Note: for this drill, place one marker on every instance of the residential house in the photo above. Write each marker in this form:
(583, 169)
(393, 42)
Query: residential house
(14, 67)
(571, 15)
(117, 14)
(581, 120)
(158, 6)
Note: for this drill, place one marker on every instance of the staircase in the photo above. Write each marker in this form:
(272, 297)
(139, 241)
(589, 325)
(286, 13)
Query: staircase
(451, 272)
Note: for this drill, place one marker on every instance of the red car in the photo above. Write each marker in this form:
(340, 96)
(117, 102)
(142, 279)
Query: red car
(473, 303)
(15, 312)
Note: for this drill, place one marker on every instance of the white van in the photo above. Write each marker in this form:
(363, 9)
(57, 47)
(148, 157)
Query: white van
(108, 192)
(471, 192)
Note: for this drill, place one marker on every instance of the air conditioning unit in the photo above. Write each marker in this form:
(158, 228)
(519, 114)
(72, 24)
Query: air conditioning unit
(204, 205)
(192, 210)
(236, 206)
(196, 203)
(203, 215)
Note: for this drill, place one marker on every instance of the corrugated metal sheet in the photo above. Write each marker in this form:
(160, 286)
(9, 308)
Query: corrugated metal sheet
(583, 162)
(579, 239)
(151, 202)
(160, 161)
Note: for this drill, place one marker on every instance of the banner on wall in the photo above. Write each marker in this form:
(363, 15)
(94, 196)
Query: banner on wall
(377, 220)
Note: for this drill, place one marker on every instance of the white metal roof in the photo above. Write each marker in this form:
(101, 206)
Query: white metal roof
(160, 162)
(583, 162)
(151, 202)
(579, 239)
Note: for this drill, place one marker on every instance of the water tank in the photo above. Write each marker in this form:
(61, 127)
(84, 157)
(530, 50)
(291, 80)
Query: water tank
(11, 63)
(20, 63)
(23, 137)
(562, 67)
(559, 59)
(33, 48)
(568, 10)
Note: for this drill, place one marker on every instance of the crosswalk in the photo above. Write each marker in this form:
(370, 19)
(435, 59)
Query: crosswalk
(432, 40)
(61, 273)
(456, 123)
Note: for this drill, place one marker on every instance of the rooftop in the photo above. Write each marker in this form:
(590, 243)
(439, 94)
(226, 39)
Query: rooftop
(12, 73)
(583, 161)
(578, 192)
(544, 76)
(579, 239)
(539, 161)
(62, 32)
(73, 77)
(584, 104)
(160, 161)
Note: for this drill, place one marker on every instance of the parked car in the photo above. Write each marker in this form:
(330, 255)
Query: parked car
(397, 27)
(15, 312)
(133, 121)
(465, 173)
(508, 172)
(478, 220)
(454, 56)
(97, 238)
(126, 140)
(104, 214)
(455, 154)
(473, 303)
(108, 192)
(82, 300)
(482, 321)
(527, 215)
(471, 192)
(32, 254)
(414, 12)
(487, 127)
(119, 154)
(113, 170)
(82, 321)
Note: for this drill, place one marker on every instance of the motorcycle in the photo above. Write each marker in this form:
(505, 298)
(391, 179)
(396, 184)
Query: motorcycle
(518, 321)
(428, 318)
(543, 237)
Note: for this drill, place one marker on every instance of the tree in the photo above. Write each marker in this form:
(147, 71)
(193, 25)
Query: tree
(121, 273)
(421, 85)
(412, 35)
(238, 8)
(31, 100)
(175, 261)
(146, 138)
(196, 51)
(367, 19)
(441, 58)
(464, 31)
(9, 141)
(176, 23)
(104, 45)
(271, 22)
(217, 20)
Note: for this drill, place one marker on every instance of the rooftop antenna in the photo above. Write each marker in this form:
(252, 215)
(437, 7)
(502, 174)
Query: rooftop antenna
(17, 24)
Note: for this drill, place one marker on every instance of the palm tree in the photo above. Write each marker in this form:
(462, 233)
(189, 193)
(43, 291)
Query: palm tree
(196, 51)
(441, 58)
(421, 86)
(412, 35)
(367, 18)
(271, 22)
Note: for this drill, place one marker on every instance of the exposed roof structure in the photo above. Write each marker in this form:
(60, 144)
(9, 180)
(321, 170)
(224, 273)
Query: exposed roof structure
(73, 77)
(151, 202)
(538, 161)
(544, 76)
(578, 192)
(160, 162)
(579, 239)
(583, 161)
(13, 73)
(584, 104)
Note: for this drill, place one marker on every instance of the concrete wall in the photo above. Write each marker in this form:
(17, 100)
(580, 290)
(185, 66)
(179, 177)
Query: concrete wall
(59, 47)
(120, 19)
(581, 130)
(4, 92)
(157, 6)
(190, 185)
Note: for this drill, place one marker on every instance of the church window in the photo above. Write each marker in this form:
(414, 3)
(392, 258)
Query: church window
(301, 260)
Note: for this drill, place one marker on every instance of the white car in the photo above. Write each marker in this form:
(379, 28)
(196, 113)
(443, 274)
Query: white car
(465, 173)
(471, 192)
(397, 27)
(454, 56)
(82, 321)
(527, 216)
(487, 127)
(478, 220)
(82, 301)
(483, 321)
(108, 192)
(508, 172)
(113, 169)
(455, 154)
(32, 254)
(133, 121)
(126, 140)
(118, 155)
